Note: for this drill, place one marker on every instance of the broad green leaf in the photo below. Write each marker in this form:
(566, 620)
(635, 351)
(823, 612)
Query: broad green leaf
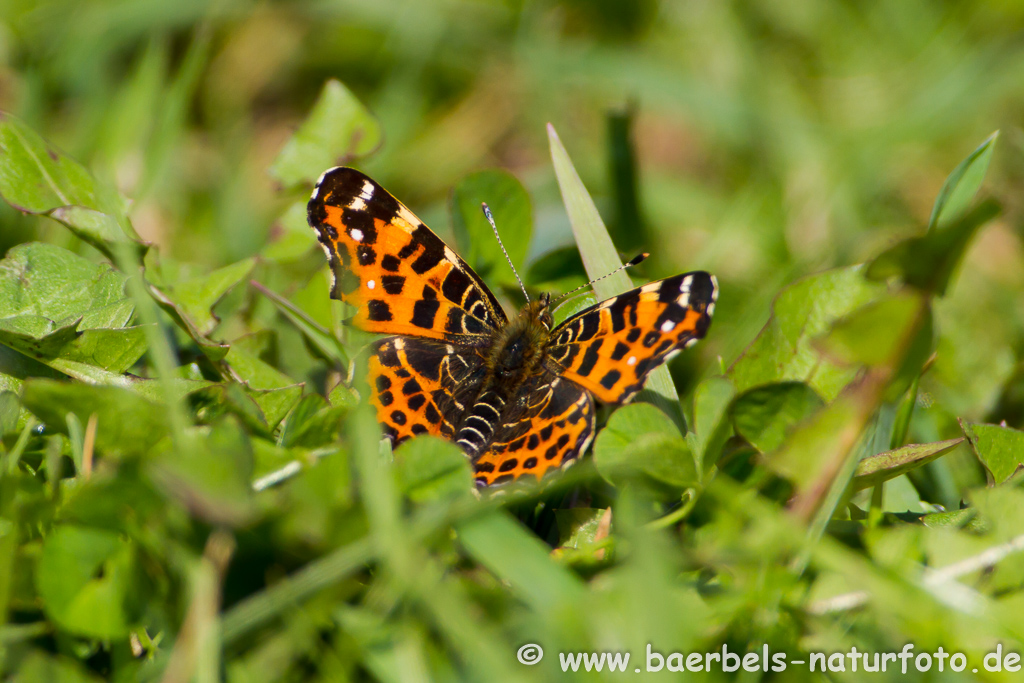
(215, 351)
(113, 350)
(875, 469)
(962, 185)
(641, 441)
(126, 422)
(1000, 449)
(711, 426)
(311, 423)
(53, 283)
(99, 229)
(599, 254)
(84, 579)
(929, 262)
(784, 351)
(35, 177)
(764, 415)
(877, 334)
(253, 371)
(430, 468)
(812, 448)
(197, 297)
(510, 205)
(338, 130)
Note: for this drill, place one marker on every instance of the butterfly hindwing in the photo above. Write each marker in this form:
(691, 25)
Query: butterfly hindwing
(610, 348)
(548, 427)
(420, 386)
(399, 275)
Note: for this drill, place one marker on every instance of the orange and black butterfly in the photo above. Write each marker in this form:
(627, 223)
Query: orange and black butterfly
(517, 395)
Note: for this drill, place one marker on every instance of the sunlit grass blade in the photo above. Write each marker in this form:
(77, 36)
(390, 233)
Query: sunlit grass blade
(600, 256)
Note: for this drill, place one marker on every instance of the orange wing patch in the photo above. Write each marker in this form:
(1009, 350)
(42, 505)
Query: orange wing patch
(555, 427)
(399, 275)
(419, 386)
(610, 348)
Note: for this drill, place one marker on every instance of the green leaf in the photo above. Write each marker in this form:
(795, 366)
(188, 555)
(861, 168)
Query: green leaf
(579, 527)
(510, 206)
(962, 185)
(929, 262)
(711, 426)
(10, 410)
(84, 580)
(35, 177)
(196, 298)
(99, 229)
(764, 415)
(250, 369)
(60, 286)
(875, 469)
(877, 333)
(813, 446)
(784, 351)
(321, 339)
(126, 422)
(1000, 449)
(600, 256)
(311, 423)
(431, 468)
(641, 441)
(338, 130)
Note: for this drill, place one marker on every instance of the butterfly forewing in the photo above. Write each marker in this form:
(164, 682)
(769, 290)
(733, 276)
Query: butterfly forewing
(610, 348)
(399, 275)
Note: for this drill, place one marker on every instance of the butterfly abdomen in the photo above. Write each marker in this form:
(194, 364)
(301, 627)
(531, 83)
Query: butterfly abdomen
(478, 428)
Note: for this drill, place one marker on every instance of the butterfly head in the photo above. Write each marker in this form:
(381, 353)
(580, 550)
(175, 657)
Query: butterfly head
(538, 312)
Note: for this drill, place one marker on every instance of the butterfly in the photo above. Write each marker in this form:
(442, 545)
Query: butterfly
(517, 395)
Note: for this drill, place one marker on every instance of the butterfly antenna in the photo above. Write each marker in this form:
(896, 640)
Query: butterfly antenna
(490, 219)
(639, 258)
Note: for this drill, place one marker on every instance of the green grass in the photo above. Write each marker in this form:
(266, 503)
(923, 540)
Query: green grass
(190, 491)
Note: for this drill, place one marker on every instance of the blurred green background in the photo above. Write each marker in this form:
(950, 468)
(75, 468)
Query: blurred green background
(771, 139)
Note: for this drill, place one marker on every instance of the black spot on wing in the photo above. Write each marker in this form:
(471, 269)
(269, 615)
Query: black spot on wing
(390, 262)
(378, 311)
(455, 285)
(424, 311)
(590, 358)
(365, 254)
(392, 283)
(609, 380)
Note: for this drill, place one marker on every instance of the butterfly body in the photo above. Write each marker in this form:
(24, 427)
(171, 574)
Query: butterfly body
(516, 395)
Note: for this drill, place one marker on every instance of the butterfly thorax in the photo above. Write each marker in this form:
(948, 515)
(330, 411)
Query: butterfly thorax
(515, 357)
